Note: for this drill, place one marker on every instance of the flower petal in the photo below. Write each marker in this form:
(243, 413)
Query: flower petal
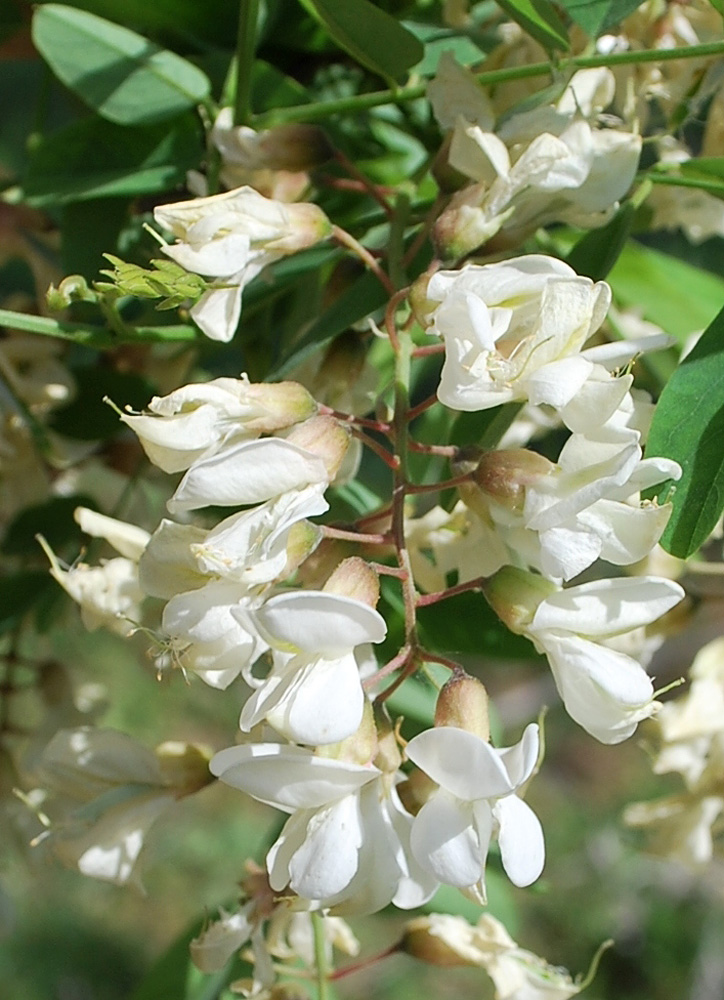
(520, 836)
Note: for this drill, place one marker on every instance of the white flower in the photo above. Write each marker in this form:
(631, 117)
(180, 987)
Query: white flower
(476, 799)
(603, 690)
(232, 237)
(514, 331)
(248, 473)
(199, 419)
(109, 595)
(344, 844)
(314, 695)
(216, 944)
(110, 790)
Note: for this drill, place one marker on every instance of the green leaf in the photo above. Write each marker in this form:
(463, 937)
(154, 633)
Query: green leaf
(87, 417)
(361, 299)
(598, 250)
(540, 20)
(53, 519)
(676, 296)
(369, 35)
(688, 426)
(120, 74)
(94, 158)
(597, 16)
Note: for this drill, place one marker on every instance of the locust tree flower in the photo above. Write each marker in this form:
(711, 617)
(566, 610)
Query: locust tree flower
(474, 802)
(109, 595)
(559, 518)
(199, 419)
(231, 237)
(514, 331)
(344, 843)
(313, 694)
(106, 791)
(605, 691)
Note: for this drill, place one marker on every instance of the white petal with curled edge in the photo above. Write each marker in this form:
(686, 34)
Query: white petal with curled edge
(417, 885)
(444, 842)
(127, 539)
(520, 836)
(219, 257)
(288, 777)
(328, 859)
(313, 621)
(558, 382)
(247, 473)
(519, 760)
(607, 607)
(460, 762)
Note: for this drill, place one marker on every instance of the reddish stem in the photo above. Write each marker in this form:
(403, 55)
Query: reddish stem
(349, 418)
(423, 352)
(390, 667)
(364, 964)
(436, 487)
(390, 460)
(447, 450)
(355, 536)
(415, 411)
(424, 599)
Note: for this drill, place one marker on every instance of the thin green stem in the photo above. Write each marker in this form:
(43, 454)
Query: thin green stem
(245, 48)
(94, 336)
(363, 102)
(320, 956)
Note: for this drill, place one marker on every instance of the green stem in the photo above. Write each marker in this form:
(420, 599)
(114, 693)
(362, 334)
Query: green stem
(94, 336)
(245, 48)
(320, 956)
(363, 102)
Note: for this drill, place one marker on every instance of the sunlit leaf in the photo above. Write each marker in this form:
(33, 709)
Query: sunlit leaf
(120, 74)
(540, 20)
(688, 426)
(370, 35)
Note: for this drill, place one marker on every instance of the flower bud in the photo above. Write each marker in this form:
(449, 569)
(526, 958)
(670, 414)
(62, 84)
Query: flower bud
(324, 437)
(213, 948)
(515, 594)
(463, 703)
(294, 146)
(280, 405)
(504, 475)
(74, 288)
(464, 226)
(416, 790)
(355, 578)
(302, 541)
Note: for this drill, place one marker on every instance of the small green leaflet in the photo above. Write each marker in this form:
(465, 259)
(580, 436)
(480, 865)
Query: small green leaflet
(120, 74)
(688, 426)
(540, 20)
(597, 16)
(370, 35)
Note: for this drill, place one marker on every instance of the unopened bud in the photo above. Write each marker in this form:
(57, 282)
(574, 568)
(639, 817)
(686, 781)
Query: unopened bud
(463, 703)
(308, 225)
(325, 437)
(422, 307)
(416, 790)
(185, 766)
(505, 475)
(464, 225)
(355, 578)
(302, 540)
(514, 595)
(282, 404)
